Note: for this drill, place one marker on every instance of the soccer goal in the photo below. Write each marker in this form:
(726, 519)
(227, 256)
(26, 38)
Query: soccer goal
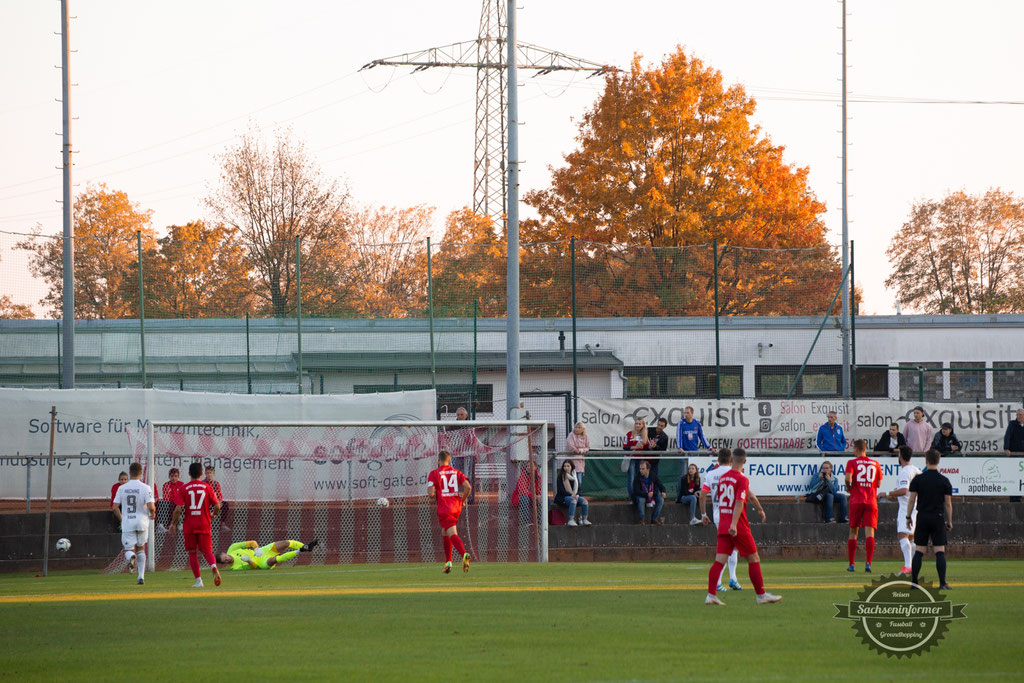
(360, 488)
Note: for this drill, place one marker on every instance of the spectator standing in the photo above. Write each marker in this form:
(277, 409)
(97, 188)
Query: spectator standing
(121, 479)
(636, 440)
(649, 492)
(578, 443)
(830, 435)
(1013, 440)
(823, 490)
(211, 479)
(170, 492)
(891, 441)
(690, 433)
(527, 491)
(918, 432)
(689, 491)
(945, 442)
(658, 439)
(567, 494)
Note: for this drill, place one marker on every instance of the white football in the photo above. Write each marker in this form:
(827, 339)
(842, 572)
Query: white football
(63, 545)
(383, 502)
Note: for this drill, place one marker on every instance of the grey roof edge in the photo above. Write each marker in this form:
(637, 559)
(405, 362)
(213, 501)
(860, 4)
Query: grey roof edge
(465, 325)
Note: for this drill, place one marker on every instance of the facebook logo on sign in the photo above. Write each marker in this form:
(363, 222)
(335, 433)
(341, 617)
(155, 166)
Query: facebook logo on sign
(764, 409)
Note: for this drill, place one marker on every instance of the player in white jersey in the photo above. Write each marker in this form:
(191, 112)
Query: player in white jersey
(710, 484)
(134, 508)
(904, 531)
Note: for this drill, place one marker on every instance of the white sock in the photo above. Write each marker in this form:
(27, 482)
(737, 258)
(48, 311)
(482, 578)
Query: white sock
(142, 564)
(129, 554)
(732, 562)
(908, 551)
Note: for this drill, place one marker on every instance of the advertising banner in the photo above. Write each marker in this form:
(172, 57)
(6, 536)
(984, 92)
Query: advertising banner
(102, 425)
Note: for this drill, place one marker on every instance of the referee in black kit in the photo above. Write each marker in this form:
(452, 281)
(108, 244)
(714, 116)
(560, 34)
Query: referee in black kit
(933, 495)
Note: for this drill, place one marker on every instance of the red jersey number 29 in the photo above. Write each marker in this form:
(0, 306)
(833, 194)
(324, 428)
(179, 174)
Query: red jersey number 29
(726, 497)
(449, 484)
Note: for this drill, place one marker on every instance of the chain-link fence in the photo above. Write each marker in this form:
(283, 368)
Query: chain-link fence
(198, 310)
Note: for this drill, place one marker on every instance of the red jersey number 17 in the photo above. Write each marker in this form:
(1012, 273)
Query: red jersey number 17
(196, 499)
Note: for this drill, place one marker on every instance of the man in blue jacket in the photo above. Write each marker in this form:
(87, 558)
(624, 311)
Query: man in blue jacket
(830, 435)
(689, 433)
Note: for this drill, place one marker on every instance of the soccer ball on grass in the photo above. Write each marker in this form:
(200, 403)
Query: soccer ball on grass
(63, 545)
(383, 502)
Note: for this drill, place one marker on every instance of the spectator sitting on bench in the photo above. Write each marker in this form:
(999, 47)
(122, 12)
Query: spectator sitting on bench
(567, 494)
(689, 491)
(648, 492)
(945, 442)
(823, 489)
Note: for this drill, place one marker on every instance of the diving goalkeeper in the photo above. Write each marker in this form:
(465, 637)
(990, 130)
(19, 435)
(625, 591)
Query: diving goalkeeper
(249, 555)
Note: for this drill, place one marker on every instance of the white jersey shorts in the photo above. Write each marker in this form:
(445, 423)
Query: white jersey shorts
(133, 539)
(901, 522)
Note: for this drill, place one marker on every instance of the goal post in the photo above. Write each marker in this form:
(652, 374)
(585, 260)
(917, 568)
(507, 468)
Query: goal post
(358, 487)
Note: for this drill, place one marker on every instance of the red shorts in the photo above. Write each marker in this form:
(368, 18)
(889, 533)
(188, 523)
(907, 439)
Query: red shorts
(862, 514)
(198, 540)
(743, 542)
(448, 520)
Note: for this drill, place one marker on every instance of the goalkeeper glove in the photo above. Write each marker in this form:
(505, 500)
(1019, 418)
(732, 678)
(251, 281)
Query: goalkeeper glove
(309, 546)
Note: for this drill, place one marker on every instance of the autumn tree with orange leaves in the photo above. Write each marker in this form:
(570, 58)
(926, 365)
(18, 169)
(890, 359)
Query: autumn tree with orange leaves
(197, 271)
(668, 160)
(106, 255)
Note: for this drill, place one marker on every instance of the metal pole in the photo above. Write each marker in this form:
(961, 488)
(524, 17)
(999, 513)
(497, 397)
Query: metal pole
(28, 484)
(60, 374)
(151, 477)
(472, 410)
(718, 345)
(920, 384)
(430, 315)
(845, 321)
(142, 310)
(853, 327)
(544, 489)
(248, 357)
(68, 292)
(575, 369)
(49, 493)
(298, 309)
(512, 230)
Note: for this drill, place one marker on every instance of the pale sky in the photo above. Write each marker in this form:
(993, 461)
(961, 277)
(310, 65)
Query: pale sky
(163, 87)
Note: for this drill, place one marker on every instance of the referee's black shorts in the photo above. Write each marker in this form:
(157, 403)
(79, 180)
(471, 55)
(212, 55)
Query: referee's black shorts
(930, 527)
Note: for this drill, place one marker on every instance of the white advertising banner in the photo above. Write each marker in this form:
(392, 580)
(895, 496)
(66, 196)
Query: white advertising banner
(773, 475)
(762, 426)
(101, 424)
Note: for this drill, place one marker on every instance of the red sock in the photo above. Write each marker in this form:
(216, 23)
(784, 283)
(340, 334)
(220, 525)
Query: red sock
(459, 548)
(211, 559)
(193, 564)
(869, 547)
(447, 548)
(851, 549)
(754, 570)
(713, 575)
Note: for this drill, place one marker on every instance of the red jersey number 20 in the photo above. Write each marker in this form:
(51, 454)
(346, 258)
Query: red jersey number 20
(865, 474)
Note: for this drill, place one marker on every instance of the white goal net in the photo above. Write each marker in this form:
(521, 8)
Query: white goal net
(359, 488)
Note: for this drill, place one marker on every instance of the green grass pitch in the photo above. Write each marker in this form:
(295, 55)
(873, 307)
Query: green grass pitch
(574, 622)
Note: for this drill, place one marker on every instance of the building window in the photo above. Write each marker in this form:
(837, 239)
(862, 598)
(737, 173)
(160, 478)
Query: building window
(777, 380)
(910, 381)
(965, 384)
(872, 383)
(449, 396)
(682, 382)
(1008, 384)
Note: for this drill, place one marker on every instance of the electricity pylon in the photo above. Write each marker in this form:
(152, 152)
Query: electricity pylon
(487, 55)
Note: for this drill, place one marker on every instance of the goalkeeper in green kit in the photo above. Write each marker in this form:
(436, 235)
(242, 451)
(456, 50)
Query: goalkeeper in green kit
(249, 554)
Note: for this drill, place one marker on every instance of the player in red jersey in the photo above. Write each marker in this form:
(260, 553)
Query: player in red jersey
(196, 496)
(450, 488)
(863, 475)
(734, 530)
